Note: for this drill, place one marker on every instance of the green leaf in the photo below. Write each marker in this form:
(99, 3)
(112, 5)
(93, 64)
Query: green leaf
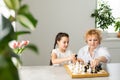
(18, 33)
(27, 21)
(12, 54)
(25, 18)
(6, 33)
(32, 47)
(12, 4)
(103, 16)
(117, 25)
(22, 32)
(11, 18)
(7, 69)
(24, 9)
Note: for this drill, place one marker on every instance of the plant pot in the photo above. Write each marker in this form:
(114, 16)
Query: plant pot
(118, 34)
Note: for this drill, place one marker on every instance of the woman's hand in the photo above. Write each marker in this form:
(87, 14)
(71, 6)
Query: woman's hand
(95, 62)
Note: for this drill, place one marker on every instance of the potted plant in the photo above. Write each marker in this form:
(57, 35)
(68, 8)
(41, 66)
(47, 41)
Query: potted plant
(103, 15)
(8, 71)
(117, 26)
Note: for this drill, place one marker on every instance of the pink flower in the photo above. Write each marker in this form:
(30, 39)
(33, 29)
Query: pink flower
(24, 43)
(18, 47)
(13, 44)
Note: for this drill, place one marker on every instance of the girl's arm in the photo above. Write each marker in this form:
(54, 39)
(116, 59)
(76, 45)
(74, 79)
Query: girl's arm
(55, 60)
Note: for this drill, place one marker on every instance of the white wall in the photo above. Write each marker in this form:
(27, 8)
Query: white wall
(113, 45)
(71, 16)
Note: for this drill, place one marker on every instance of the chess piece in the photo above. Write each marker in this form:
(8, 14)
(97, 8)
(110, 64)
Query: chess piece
(77, 64)
(85, 68)
(76, 56)
(89, 70)
(98, 67)
(93, 70)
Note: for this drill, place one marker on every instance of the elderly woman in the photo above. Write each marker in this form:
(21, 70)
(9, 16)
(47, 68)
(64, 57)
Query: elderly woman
(93, 51)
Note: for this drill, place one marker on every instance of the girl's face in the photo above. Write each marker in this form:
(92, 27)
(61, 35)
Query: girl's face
(92, 41)
(63, 43)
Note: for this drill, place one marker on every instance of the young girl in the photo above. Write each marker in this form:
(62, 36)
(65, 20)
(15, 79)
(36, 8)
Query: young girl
(60, 55)
(93, 51)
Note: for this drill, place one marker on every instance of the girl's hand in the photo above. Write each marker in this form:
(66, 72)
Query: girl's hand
(80, 60)
(72, 57)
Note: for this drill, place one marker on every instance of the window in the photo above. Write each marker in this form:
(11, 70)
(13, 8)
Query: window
(114, 5)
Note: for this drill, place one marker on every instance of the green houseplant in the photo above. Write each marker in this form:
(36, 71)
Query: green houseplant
(117, 26)
(103, 15)
(8, 71)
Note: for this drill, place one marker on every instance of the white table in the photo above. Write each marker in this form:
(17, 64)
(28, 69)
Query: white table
(59, 73)
(114, 70)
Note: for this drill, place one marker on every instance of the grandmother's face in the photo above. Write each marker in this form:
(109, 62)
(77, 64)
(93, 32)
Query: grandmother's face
(92, 41)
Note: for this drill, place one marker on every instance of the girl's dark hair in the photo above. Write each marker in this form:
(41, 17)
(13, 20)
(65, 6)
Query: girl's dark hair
(59, 36)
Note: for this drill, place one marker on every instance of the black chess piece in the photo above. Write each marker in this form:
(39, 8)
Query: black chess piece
(99, 67)
(85, 67)
(88, 65)
(89, 62)
(76, 56)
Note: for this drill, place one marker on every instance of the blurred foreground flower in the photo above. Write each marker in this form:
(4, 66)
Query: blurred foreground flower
(18, 47)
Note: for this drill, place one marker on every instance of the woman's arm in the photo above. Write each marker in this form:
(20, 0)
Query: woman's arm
(97, 60)
(102, 59)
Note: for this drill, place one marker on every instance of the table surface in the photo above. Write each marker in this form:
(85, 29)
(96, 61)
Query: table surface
(59, 73)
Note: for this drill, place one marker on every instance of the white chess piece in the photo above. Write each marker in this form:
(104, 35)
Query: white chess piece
(77, 64)
(89, 70)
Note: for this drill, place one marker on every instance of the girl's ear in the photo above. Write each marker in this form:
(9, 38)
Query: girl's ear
(57, 42)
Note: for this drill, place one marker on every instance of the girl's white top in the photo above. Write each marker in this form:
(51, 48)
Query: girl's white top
(60, 54)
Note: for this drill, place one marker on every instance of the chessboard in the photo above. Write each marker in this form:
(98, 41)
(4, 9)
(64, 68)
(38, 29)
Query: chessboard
(81, 74)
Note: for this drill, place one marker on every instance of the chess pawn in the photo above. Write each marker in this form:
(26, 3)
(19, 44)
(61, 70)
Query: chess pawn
(69, 63)
(77, 64)
(80, 66)
(76, 70)
(71, 66)
(82, 69)
(89, 70)
(93, 70)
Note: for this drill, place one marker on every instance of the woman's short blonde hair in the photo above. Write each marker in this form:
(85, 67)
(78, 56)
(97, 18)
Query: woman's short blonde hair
(95, 32)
